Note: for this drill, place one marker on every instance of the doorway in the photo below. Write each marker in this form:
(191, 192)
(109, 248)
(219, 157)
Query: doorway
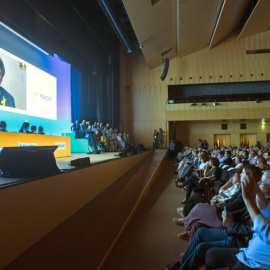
(248, 139)
(222, 139)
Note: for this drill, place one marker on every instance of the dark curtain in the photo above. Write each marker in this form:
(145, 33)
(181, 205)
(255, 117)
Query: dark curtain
(75, 83)
(96, 96)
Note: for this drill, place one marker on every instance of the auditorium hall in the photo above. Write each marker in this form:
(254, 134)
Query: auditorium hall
(119, 119)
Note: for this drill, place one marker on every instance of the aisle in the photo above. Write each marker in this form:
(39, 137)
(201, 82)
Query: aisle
(150, 241)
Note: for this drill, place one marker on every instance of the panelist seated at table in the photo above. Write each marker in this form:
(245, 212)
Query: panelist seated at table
(24, 128)
(3, 126)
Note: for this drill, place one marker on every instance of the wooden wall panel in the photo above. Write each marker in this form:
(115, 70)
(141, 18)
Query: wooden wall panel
(125, 92)
(149, 94)
(222, 111)
(189, 132)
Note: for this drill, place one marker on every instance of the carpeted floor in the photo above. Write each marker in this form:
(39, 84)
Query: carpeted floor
(150, 241)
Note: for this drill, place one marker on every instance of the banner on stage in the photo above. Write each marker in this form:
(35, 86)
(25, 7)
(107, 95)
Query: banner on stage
(61, 145)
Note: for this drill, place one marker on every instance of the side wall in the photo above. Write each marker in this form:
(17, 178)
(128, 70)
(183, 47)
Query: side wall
(189, 132)
(227, 62)
(30, 211)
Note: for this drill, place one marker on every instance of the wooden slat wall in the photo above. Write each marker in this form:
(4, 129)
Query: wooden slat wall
(149, 94)
(222, 111)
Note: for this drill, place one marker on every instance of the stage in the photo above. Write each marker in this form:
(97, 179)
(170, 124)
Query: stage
(63, 165)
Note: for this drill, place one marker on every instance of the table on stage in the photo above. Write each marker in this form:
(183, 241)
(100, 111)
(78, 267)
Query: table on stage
(8, 139)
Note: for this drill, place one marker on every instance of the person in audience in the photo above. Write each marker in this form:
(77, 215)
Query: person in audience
(204, 215)
(256, 254)
(24, 128)
(101, 127)
(225, 193)
(262, 163)
(75, 128)
(191, 163)
(236, 233)
(3, 126)
(205, 144)
(266, 155)
(40, 130)
(104, 141)
(221, 156)
(120, 141)
(238, 163)
(228, 159)
(94, 127)
(33, 129)
(212, 173)
(6, 99)
(82, 129)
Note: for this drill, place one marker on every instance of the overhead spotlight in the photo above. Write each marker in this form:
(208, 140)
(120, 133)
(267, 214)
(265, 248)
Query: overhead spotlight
(193, 104)
(214, 104)
(263, 122)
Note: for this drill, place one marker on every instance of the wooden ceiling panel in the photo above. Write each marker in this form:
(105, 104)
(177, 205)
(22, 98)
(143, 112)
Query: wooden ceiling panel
(196, 23)
(230, 17)
(155, 28)
(259, 20)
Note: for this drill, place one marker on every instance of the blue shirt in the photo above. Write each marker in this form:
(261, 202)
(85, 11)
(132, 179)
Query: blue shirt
(221, 159)
(257, 254)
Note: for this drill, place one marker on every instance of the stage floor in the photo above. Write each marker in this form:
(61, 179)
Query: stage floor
(63, 164)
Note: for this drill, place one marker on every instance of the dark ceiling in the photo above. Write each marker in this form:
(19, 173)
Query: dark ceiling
(77, 30)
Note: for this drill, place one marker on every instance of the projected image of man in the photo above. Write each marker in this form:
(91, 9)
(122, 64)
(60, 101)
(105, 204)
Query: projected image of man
(6, 99)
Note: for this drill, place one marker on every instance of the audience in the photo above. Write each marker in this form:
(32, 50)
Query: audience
(220, 229)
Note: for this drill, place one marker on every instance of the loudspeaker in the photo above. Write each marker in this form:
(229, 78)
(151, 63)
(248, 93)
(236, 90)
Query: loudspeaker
(165, 68)
(28, 161)
(139, 148)
(128, 152)
(80, 162)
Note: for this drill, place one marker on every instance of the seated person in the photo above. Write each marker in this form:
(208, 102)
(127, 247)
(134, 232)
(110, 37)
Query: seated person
(24, 128)
(221, 156)
(225, 193)
(236, 233)
(256, 255)
(189, 165)
(33, 129)
(3, 126)
(262, 163)
(213, 173)
(204, 215)
(238, 163)
(40, 130)
(228, 159)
